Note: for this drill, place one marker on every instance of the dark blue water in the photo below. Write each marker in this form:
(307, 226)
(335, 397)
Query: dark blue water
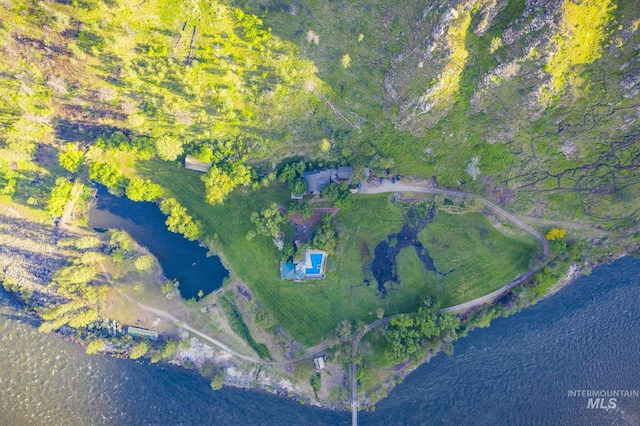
(517, 372)
(181, 259)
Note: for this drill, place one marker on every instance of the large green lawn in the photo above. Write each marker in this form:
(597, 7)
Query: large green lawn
(310, 310)
(476, 258)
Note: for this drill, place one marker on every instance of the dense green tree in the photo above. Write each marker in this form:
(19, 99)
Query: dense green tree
(70, 158)
(406, 333)
(143, 263)
(331, 191)
(167, 286)
(290, 171)
(59, 196)
(555, 237)
(139, 350)
(120, 239)
(94, 346)
(306, 210)
(268, 221)
(218, 380)
(219, 183)
(179, 220)
(325, 237)
(143, 190)
(345, 200)
(168, 148)
(297, 186)
(107, 174)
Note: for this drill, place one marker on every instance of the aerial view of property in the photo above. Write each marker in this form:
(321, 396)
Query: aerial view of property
(319, 212)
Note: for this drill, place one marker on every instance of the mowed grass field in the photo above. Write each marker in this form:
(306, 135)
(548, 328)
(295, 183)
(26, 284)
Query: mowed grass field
(476, 258)
(311, 310)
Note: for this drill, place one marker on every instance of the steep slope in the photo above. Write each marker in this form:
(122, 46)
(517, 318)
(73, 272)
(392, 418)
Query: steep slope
(532, 102)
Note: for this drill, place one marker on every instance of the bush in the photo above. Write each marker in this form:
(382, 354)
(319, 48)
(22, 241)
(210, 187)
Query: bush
(167, 286)
(94, 346)
(59, 196)
(143, 190)
(139, 350)
(71, 158)
(218, 380)
(306, 210)
(143, 263)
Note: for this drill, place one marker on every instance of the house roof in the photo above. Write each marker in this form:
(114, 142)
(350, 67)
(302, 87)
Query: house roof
(317, 180)
(288, 271)
(345, 172)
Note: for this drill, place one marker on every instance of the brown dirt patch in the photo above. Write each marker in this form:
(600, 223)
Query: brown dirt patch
(315, 218)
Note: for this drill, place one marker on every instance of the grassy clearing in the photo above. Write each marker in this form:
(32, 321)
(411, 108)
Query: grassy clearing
(310, 310)
(480, 257)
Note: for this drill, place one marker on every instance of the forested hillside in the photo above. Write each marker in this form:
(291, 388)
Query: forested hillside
(533, 103)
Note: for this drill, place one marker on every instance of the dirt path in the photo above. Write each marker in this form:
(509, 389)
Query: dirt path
(180, 323)
(416, 187)
(577, 226)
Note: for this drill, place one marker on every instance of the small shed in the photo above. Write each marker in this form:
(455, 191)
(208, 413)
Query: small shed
(192, 163)
(142, 332)
(318, 362)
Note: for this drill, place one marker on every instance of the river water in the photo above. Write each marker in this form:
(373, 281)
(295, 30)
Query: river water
(518, 371)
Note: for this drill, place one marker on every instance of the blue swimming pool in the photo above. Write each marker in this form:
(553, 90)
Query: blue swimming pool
(316, 264)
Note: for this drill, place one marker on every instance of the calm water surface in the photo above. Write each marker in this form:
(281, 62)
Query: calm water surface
(516, 372)
(181, 259)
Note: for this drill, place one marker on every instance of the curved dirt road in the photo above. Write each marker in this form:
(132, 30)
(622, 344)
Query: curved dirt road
(403, 187)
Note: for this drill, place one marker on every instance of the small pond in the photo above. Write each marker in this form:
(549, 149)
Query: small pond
(386, 251)
(180, 258)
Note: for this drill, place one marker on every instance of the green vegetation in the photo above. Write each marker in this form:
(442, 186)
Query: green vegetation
(406, 334)
(59, 196)
(143, 263)
(580, 39)
(70, 158)
(139, 350)
(476, 258)
(107, 174)
(316, 383)
(74, 282)
(340, 194)
(297, 186)
(544, 123)
(268, 221)
(218, 380)
(142, 190)
(94, 346)
(555, 237)
(311, 310)
(240, 327)
(179, 220)
(326, 236)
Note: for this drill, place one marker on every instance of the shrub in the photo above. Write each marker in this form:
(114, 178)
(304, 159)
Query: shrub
(139, 350)
(218, 380)
(94, 346)
(143, 263)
